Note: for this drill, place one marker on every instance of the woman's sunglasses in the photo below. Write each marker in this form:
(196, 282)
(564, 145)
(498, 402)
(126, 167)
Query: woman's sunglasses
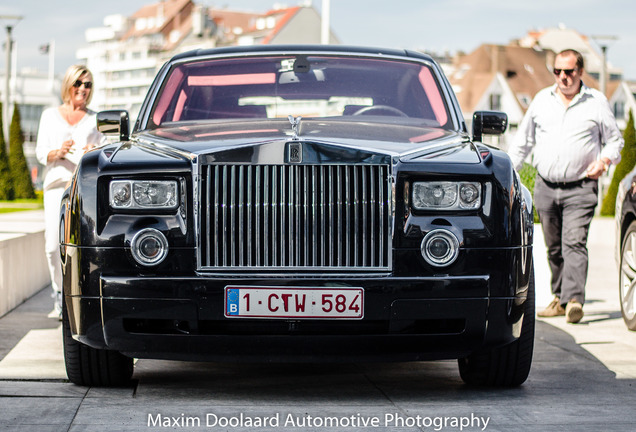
(568, 72)
(87, 84)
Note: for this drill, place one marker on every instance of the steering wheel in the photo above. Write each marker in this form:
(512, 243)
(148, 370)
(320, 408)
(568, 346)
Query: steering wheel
(380, 108)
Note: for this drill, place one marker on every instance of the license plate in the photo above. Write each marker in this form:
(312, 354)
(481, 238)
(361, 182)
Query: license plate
(289, 302)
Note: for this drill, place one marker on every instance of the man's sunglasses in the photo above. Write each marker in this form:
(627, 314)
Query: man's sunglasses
(87, 84)
(568, 72)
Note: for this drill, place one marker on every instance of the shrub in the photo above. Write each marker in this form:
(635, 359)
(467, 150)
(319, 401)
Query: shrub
(20, 173)
(6, 185)
(628, 160)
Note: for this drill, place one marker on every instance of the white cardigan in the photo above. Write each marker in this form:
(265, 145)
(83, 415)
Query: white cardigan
(52, 132)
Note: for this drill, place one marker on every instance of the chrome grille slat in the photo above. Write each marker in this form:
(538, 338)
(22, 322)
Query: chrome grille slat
(249, 228)
(224, 226)
(209, 239)
(305, 217)
(314, 216)
(257, 200)
(232, 212)
(339, 214)
(365, 202)
(266, 207)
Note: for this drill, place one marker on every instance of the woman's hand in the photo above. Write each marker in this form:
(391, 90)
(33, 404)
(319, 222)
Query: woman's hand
(61, 152)
(66, 147)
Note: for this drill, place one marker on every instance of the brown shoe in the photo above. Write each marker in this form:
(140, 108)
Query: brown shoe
(554, 309)
(573, 312)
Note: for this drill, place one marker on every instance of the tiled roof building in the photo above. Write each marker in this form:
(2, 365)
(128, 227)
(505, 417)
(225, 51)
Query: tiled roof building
(125, 54)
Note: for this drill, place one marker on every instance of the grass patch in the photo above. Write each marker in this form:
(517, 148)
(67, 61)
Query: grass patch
(22, 204)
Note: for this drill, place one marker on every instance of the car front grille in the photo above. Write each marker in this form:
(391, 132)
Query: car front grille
(304, 217)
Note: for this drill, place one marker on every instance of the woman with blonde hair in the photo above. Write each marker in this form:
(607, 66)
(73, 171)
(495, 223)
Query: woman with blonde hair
(65, 133)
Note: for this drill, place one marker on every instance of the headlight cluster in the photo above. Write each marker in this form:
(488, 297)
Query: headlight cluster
(446, 195)
(143, 194)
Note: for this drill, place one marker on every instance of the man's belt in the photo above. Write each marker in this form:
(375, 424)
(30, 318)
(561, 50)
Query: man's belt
(565, 185)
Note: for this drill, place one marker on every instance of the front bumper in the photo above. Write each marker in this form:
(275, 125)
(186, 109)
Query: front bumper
(408, 318)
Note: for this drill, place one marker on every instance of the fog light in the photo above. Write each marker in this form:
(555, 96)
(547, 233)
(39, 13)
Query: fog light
(440, 248)
(149, 247)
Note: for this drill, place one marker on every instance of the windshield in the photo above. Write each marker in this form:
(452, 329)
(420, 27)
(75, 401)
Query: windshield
(307, 86)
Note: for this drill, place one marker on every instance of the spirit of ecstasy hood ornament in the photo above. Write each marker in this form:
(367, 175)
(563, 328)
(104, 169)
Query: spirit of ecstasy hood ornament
(295, 124)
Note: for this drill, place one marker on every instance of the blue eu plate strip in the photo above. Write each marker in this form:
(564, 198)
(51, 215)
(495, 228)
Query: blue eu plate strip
(232, 304)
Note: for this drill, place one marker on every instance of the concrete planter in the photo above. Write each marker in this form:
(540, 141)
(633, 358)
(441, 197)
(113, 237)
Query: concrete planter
(23, 267)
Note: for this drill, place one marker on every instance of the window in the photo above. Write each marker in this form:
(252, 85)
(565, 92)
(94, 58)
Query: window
(619, 109)
(30, 120)
(320, 86)
(495, 102)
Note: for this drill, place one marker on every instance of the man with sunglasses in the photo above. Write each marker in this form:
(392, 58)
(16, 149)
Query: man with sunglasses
(575, 138)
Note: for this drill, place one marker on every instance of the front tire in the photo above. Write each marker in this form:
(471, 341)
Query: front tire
(627, 278)
(509, 365)
(88, 366)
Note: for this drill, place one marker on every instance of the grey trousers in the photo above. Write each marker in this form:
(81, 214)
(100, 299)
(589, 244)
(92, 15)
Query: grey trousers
(565, 213)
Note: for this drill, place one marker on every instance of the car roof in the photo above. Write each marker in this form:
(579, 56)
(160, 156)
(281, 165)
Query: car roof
(289, 49)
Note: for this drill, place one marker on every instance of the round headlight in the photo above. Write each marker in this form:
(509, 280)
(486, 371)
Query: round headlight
(440, 248)
(469, 195)
(149, 247)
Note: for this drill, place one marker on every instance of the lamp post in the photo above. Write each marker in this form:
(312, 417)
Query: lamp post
(603, 79)
(7, 99)
(325, 23)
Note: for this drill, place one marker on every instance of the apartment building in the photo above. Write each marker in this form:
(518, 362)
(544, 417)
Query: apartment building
(126, 52)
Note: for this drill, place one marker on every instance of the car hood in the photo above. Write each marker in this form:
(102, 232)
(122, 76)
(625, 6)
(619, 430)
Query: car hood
(319, 141)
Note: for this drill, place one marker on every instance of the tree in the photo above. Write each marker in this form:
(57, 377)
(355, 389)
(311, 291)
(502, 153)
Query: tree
(628, 160)
(20, 173)
(6, 185)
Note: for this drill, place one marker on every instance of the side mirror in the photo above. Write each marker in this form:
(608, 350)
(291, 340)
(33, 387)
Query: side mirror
(488, 123)
(114, 122)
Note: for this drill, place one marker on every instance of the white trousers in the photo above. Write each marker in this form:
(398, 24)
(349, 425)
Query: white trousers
(52, 201)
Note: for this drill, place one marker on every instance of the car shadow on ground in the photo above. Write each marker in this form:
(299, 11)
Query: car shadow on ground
(560, 365)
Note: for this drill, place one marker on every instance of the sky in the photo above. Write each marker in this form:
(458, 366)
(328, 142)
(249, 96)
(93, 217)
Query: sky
(432, 25)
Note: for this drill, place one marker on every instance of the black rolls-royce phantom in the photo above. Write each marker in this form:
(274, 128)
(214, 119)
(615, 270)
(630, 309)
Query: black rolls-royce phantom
(298, 203)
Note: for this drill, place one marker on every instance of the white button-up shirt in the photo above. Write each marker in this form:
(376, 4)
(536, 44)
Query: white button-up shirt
(567, 139)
